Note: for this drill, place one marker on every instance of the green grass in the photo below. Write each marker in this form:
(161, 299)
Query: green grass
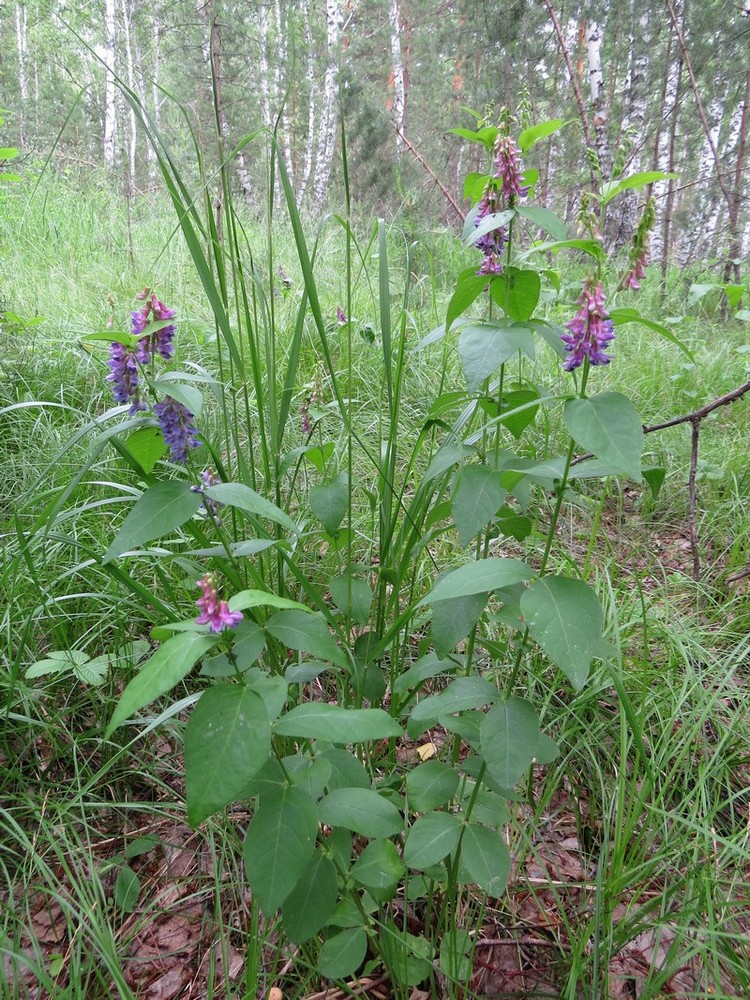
(648, 796)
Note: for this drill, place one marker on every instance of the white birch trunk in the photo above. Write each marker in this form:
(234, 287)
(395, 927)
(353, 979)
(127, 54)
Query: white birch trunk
(133, 131)
(598, 98)
(265, 82)
(311, 108)
(22, 27)
(329, 117)
(280, 59)
(399, 80)
(110, 94)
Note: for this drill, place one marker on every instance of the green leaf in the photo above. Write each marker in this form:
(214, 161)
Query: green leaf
(609, 426)
(455, 955)
(461, 694)
(162, 508)
(59, 661)
(146, 445)
(309, 905)
(478, 577)
(263, 599)
(483, 347)
(334, 724)
(279, 843)
(172, 661)
(485, 857)
(93, 671)
(491, 222)
(317, 455)
(347, 770)
(342, 954)
(307, 633)
(477, 497)
(430, 839)
(249, 502)
(519, 408)
(352, 596)
(127, 889)
(622, 316)
(469, 287)
(509, 737)
(190, 397)
(530, 136)
(485, 135)
(517, 292)
(430, 785)
(330, 502)
(227, 741)
(142, 845)
(362, 810)
(544, 219)
(430, 665)
(453, 620)
(407, 957)
(8, 152)
(611, 189)
(564, 616)
(379, 866)
(654, 476)
(474, 185)
(592, 247)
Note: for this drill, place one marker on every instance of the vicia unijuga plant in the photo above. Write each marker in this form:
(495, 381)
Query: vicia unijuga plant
(373, 604)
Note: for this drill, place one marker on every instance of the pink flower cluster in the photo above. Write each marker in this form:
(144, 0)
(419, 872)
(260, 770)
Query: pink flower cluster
(591, 330)
(214, 612)
(501, 193)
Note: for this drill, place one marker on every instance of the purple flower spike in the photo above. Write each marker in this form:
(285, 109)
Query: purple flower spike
(340, 316)
(508, 169)
(159, 342)
(123, 374)
(179, 433)
(591, 330)
(214, 613)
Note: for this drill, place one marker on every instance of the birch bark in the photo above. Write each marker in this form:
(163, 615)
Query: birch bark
(399, 82)
(110, 94)
(311, 108)
(598, 98)
(329, 116)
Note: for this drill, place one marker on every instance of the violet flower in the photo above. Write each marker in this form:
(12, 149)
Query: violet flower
(123, 374)
(176, 425)
(214, 612)
(591, 330)
(340, 316)
(159, 342)
(508, 169)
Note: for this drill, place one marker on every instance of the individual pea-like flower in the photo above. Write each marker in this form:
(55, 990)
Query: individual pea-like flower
(214, 612)
(177, 429)
(123, 374)
(591, 330)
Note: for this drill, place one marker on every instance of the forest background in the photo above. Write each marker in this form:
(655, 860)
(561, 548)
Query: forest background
(401, 74)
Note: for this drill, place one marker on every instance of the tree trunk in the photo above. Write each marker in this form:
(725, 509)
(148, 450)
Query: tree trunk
(675, 85)
(22, 29)
(399, 83)
(133, 133)
(311, 107)
(735, 249)
(110, 93)
(598, 98)
(329, 117)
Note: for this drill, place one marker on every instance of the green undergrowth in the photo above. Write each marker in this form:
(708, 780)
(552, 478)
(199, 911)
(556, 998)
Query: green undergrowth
(631, 842)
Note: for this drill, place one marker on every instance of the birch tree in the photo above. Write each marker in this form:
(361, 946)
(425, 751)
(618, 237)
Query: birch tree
(329, 116)
(399, 80)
